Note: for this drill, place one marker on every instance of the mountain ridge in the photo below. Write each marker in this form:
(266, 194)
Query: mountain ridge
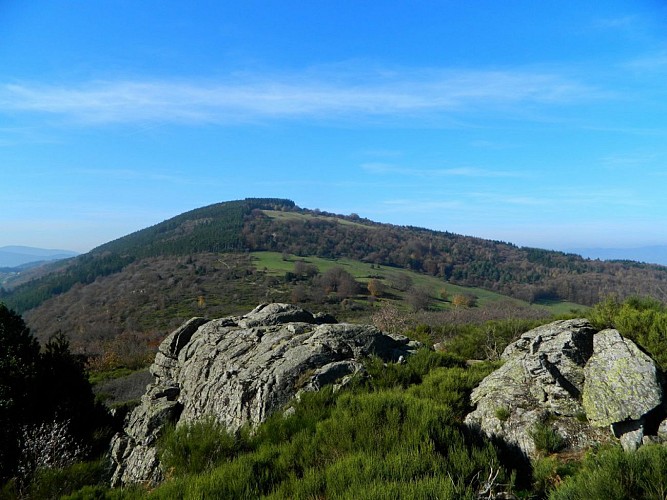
(274, 224)
(17, 255)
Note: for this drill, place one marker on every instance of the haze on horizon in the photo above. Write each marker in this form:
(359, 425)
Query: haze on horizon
(538, 124)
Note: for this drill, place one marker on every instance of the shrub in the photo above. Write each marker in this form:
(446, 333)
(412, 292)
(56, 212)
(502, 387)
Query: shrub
(197, 447)
(643, 320)
(546, 438)
(502, 413)
(610, 473)
(56, 482)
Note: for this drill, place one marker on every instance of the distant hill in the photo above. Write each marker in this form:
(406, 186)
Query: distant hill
(656, 254)
(261, 224)
(212, 261)
(15, 256)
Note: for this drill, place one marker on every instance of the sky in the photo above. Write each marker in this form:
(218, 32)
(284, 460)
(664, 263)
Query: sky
(538, 123)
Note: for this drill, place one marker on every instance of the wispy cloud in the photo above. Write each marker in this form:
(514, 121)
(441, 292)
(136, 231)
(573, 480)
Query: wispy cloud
(292, 96)
(389, 169)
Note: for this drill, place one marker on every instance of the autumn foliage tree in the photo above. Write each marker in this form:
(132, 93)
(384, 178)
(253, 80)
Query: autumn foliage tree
(376, 288)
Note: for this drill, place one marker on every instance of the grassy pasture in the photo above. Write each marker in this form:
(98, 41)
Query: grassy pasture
(276, 265)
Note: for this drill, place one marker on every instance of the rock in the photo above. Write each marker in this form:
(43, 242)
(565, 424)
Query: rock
(241, 370)
(622, 383)
(541, 380)
(579, 381)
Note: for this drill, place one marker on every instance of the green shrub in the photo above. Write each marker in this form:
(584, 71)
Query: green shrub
(643, 320)
(488, 340)
(610, 474)
(197, 447)
(546, 438)
(394, 375)
(386, 443)
(54, 483)
(502, 413)
(451, 386)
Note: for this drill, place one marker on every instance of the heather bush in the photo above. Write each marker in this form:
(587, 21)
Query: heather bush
(612, 474)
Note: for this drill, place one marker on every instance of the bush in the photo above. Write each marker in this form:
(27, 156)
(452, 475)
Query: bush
(610, 473)
(197, 447)
(546, 438)
(56, 482)
(643, 320)
(502, 413)
(397, 441)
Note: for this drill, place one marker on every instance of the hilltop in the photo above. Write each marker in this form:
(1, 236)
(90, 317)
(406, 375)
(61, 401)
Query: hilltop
(226, 257)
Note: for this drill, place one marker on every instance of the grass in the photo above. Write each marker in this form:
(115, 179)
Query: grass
(277, 266)
(276, 214)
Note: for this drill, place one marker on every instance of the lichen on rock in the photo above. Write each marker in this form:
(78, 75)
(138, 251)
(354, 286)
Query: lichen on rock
(577, 379)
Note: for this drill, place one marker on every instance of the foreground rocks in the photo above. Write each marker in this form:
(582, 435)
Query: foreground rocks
(240, 370)
(574, 381)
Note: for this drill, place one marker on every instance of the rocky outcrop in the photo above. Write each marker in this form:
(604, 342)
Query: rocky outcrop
(240, 370)
(567, 377)
(622, 387)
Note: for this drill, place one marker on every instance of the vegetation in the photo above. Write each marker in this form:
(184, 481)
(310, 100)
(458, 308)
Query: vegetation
(396, 433)
(612, 474)
(546, 438)
(49, 419)
(532, 275)
(641, 319)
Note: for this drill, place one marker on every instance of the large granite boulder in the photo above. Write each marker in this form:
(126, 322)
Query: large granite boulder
(576, 381)
(240, 370)
(622, 387)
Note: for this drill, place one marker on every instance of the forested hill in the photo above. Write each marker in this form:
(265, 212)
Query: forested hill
(257, 224)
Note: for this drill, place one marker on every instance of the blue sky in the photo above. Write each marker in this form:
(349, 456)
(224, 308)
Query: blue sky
(539, 123)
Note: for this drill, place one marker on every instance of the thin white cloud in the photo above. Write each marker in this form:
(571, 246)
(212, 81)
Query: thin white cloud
(389, 169)
(414, 92)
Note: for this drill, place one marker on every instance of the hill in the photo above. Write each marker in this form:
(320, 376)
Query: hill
(224, 258)
(15, 256)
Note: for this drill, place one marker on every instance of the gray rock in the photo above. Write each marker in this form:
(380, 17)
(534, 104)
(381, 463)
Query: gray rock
(240, 370)
(582, 381)
(622, 383)
(542, 378)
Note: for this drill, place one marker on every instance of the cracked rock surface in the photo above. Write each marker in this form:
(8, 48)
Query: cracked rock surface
(579, 382)
(240, 370)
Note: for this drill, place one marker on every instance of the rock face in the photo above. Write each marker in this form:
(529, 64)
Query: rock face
(622, 386)
(240, 370)
(570, 378)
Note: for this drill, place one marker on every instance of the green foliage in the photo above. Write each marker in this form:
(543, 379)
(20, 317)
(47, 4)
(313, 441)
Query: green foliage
(546, 438)
(402, 439)
(545, 474)
(19, 357)
(502, 413)
(643, 320)
(198, 447)
(485, 341)
(394, 375)
(55, 483)
(39, 393)
(612, 474)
